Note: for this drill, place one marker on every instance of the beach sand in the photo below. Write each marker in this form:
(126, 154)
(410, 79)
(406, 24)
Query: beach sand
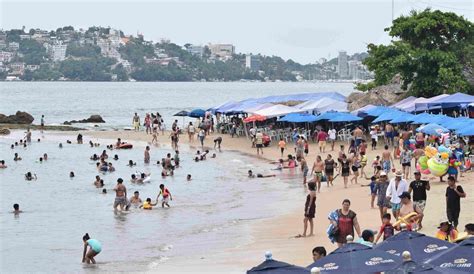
(278, 234)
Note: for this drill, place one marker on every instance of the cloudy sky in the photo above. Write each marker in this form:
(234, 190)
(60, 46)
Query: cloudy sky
(301, 30)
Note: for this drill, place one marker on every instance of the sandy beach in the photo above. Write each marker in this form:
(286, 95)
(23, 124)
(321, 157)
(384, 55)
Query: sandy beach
(278, 234)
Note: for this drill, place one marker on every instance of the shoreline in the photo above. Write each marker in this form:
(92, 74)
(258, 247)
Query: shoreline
(277, 234)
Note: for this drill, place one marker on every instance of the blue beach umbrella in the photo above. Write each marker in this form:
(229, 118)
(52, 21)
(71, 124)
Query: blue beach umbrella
(276, 267)
(345, 117)
(298, 118)
(459, 257)
(412, 267)
(356, 258)
(327, 115)
(182, 113)
(388, 115)
(419, 245)
(197, 113)
(377, 111)
(403, 118)
(432, 129)
(466, 131)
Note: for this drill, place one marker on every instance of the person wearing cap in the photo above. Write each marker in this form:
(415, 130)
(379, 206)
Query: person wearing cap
(407, 207)
(446, 231)
(381, 190)
(454, 193)
(395, 188)
(419, 188)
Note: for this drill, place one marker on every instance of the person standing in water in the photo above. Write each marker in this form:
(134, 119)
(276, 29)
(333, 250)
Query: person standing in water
(166, 194)
(42, 123)
(147, 155)
(318, 168)
(94, 250)
(309, 210)
(120, 195)
(136, 122)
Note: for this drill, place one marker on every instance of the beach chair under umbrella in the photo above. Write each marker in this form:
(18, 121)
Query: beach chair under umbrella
(420, 246)
(459, 257)
(356, 258)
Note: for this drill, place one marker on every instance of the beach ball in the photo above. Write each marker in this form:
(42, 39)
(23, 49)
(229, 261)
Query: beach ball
(423, 161)
(436, 168)
(430, 151)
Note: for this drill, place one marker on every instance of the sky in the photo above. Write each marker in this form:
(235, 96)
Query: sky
(303, 30)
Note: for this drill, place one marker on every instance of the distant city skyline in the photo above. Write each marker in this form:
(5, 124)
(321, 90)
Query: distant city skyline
(305, 31)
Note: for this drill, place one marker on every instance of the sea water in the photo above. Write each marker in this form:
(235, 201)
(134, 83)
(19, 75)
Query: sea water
(208, 214)
(117, 102)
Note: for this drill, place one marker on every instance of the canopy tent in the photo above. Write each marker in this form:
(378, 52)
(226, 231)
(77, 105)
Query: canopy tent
(425, 118)
(257, 108)
(276, 267)
(456, 123)
(356, 258)
(344, 117)
(466, 131)
(432, 129)
(255, 118)
(298, 118)
(227, 104)
(420, 246)
(327, 115)
(403, 118)
(361, 111)
(276, 110)
(197, 113)
(409, 106)
(377, 111)
(459, 257)
(388, 115)
(454, 100)
(404, 102)
(422, 105)
(323, 105)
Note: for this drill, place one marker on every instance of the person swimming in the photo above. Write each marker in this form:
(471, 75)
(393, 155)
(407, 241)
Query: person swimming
(16, 158)
(2, 164)
(16, 209)
(188, 177)
(94, 157)
(94, 250)
(91, 143)
(30, 177)
(60, 145)
(116, 157)
(131, 163)
(251, 175)
(71, 174)
(111, 168)
(104, 191)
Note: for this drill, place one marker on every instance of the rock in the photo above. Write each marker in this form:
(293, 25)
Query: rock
(382, 95)
(20, 117)
(92, 119)
(4, 131)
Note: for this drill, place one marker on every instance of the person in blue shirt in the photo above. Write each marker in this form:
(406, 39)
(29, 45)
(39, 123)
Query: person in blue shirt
(95, 248)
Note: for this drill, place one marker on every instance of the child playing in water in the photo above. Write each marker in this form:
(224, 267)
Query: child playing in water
(166, 194)
(148, 205)
(94, 250)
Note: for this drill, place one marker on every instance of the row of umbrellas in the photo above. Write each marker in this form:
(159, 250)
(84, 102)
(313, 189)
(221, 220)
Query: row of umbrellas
(427, 255)
(309, 118)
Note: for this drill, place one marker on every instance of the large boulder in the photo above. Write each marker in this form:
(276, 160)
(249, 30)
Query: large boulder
(20, 117)
(4, 131)
(382, 95)
(92, 119)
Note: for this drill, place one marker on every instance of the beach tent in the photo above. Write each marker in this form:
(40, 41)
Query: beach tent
(276, 267)
(255, 118)
(257, 107)
(420, 246)
(356, 258)
(361, 111)
(409, 106)
(425, 118)
(276, 110)
(377, 111)
(422, 105)
(197, 113)
(298, 118)
(227, 104)
(405, 101)
(327, 115)
(456, 123)
(388, 115)
(344, 117)
(432, 129)
(451, 101)
(323, 105)
(466, 131)
(459, 257)
(403, 118)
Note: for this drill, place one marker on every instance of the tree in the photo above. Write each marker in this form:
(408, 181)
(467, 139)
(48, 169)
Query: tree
(33, 52)
(429, 53)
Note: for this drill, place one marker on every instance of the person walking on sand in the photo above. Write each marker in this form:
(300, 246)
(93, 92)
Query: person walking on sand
(454, 193)
(147, 155)
(94, 250)
(329, 165)
(346, 223)
(383, 203)
(304, 169)
(259, 142)
(345, 169)
(322, 138)
(191, 131)
(282, 146)
(120, 195)
(387, 160)
(309, 210)
(419, 188)
(358, 136)
(136, 122)
(317, 170)
(405, 161)
(332, 137)
(147, 122)
(202, 136)
(395, 188)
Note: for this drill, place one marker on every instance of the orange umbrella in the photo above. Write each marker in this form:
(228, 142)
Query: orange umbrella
(255, 118)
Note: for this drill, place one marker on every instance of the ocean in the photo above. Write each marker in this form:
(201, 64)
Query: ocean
(212, 213)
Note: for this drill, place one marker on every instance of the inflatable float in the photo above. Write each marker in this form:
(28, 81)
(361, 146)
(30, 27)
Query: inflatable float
(124, 146)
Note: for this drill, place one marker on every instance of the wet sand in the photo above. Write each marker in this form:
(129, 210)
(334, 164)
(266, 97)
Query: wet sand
(278, 234)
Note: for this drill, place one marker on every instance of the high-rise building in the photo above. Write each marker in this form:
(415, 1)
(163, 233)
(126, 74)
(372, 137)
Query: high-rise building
(252, 62)
(354, 69)
(196, 50)
(342, 65)
(223, 51)
(58, 52)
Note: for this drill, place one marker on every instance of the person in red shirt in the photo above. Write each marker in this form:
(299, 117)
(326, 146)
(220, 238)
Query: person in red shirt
(322, 137)
(387, 229)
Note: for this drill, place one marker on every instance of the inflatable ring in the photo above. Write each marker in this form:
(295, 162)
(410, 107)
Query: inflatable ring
(405, 219)
(437, 169)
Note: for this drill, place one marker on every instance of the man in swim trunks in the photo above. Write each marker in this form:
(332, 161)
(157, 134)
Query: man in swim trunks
(358, 136)
(318, 168)
(389, 134)
(136, 122)
(387, 160)
(147, 155)
(120, 195)
(329, 165)
(251, 175)
(304, 169)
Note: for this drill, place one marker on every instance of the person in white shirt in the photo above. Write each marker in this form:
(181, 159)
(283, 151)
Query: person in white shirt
(374, 137)
(259, 142)
(396, 187)
(253, 132)
(332, 137)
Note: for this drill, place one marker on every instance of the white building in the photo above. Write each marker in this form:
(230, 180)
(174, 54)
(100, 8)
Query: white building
(58, 52)
(342, 65)
(252, 62)
(196, 50)
(14, 46)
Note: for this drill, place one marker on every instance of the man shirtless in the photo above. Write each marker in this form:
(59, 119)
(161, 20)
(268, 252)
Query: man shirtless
(318, 168)
(389, 134)
(120, 195)
(135, 200)
(358, 136)
(417, 153)
(406, 138)
(387, 160)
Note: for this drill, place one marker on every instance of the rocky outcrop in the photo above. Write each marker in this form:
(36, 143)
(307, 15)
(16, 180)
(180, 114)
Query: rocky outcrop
(381, 95)
(92, 119)
(4, 131)
(20, 117)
